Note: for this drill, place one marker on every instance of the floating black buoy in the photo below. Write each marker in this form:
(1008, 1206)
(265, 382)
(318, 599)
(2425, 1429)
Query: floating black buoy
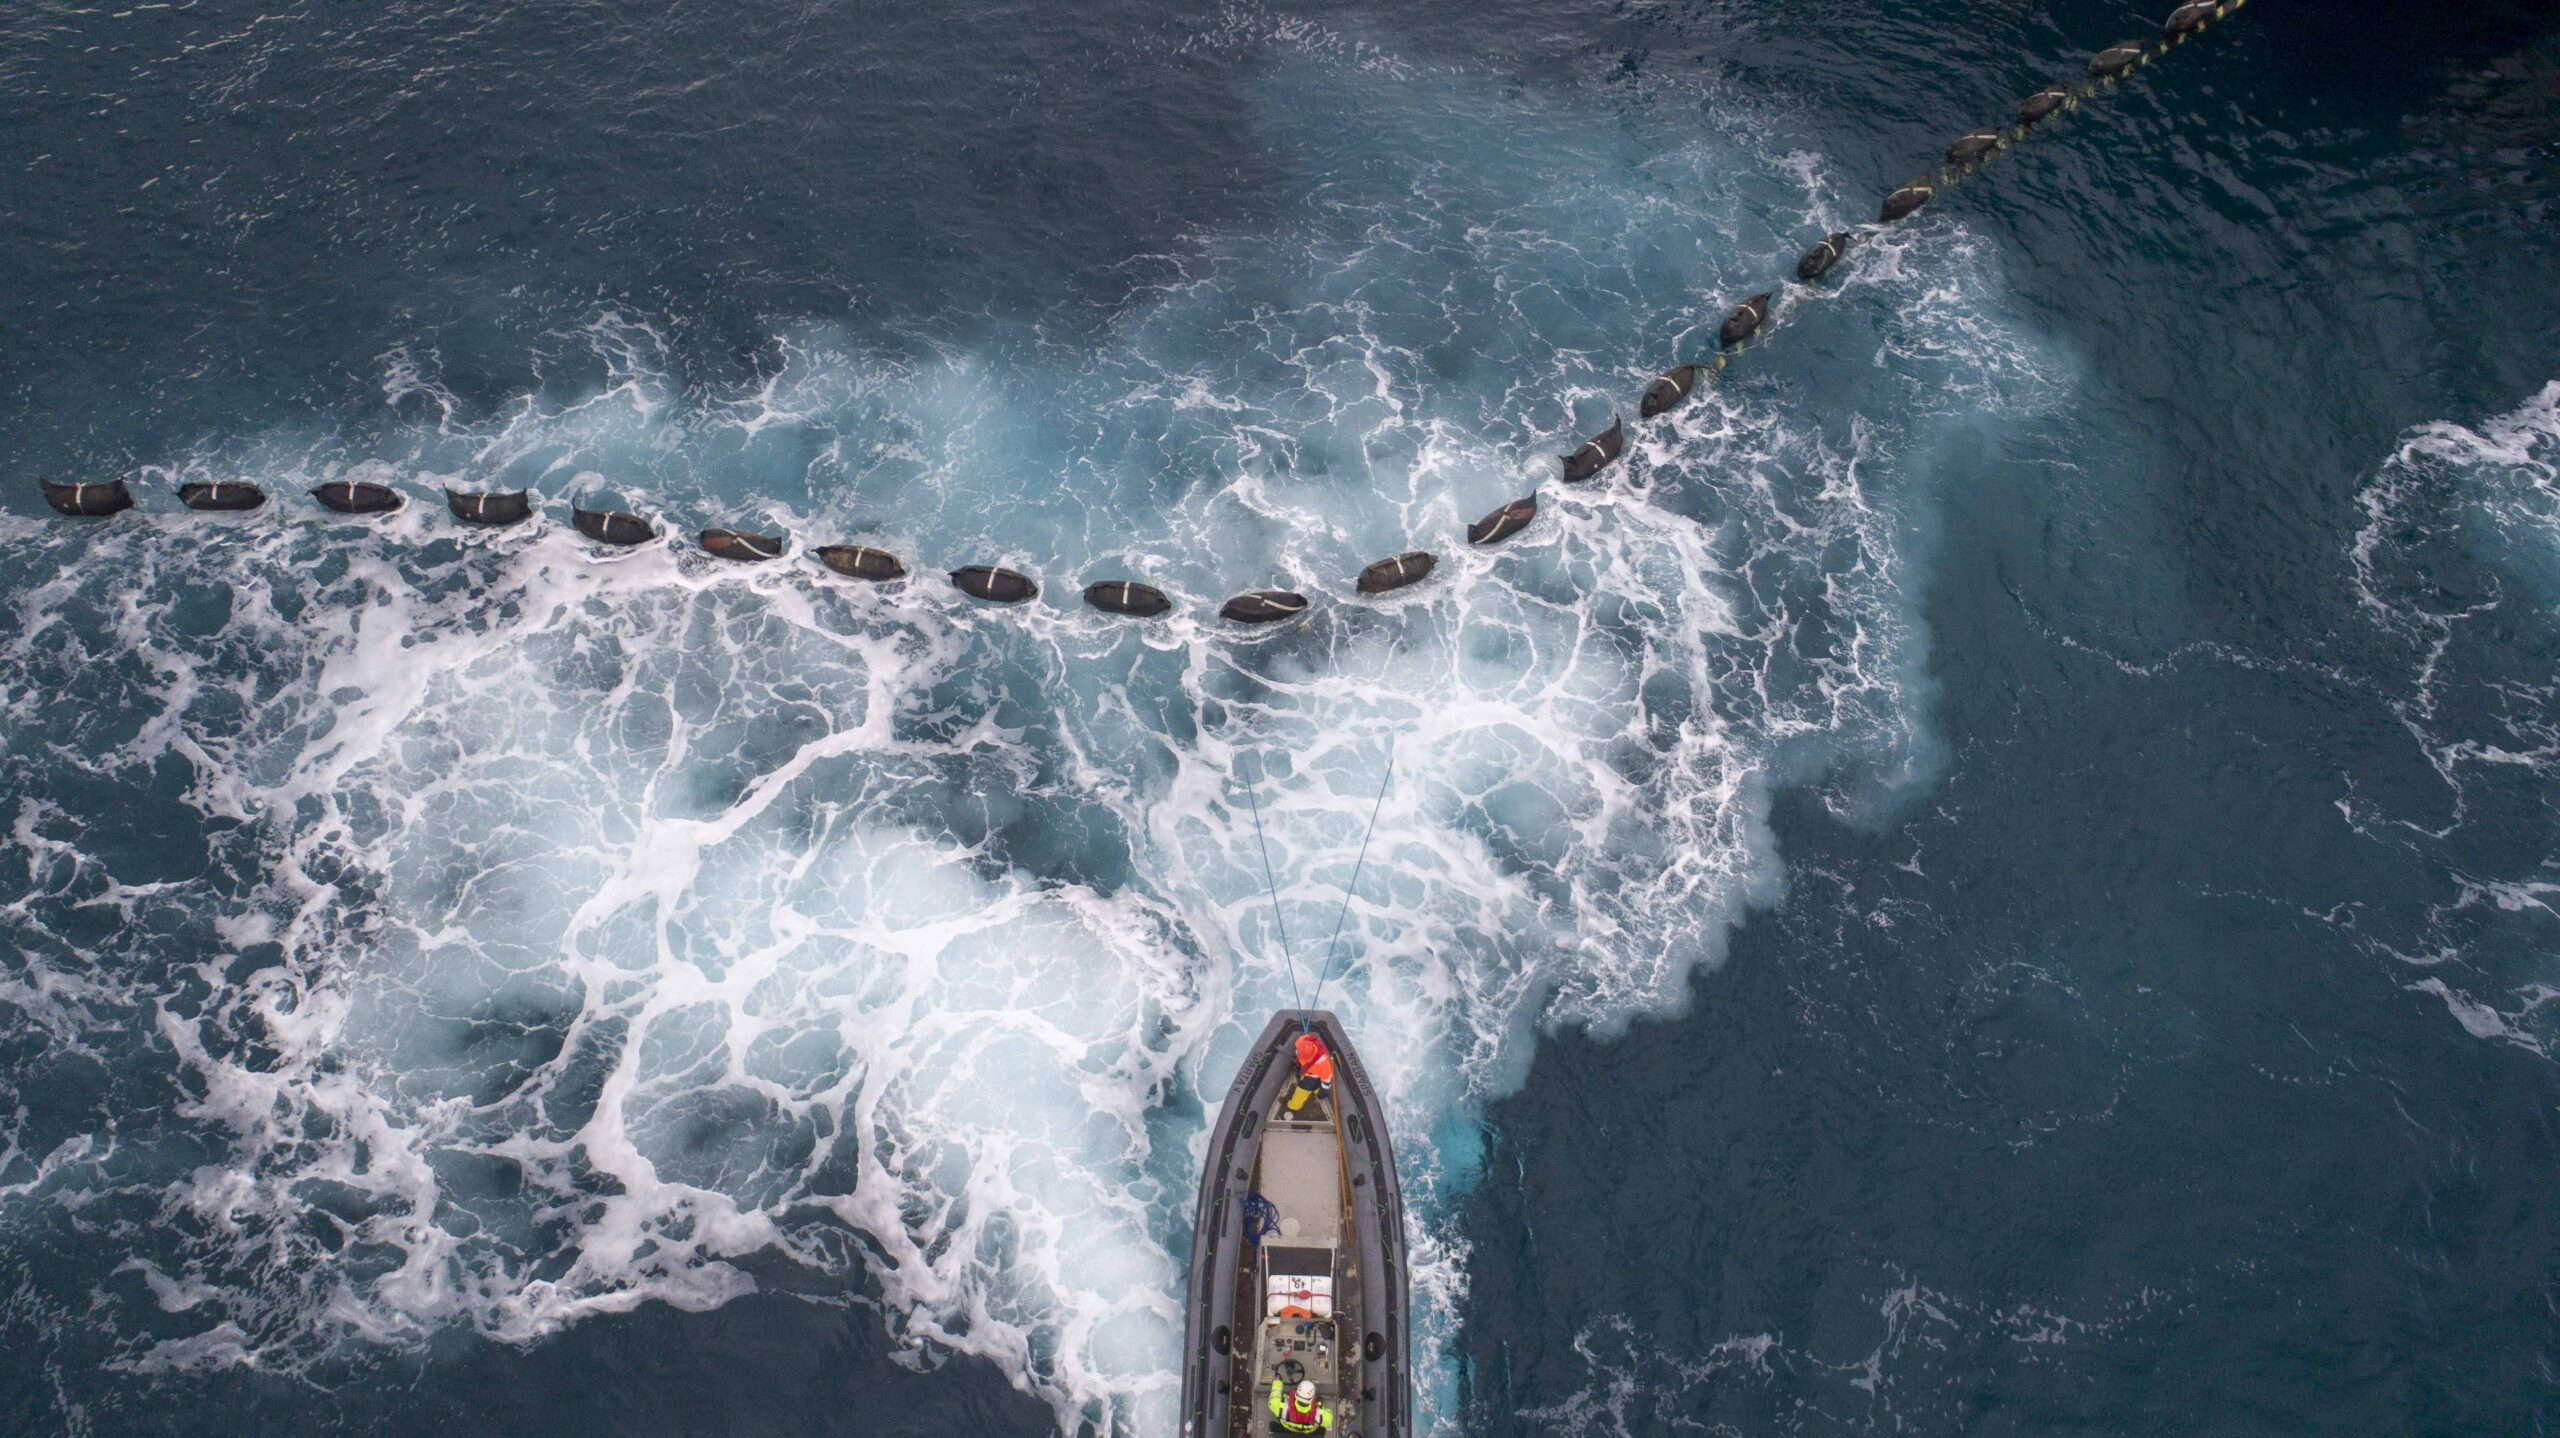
(612, 526)
(356, 496)
(2115, 60)
(996, 586)
(1744, 322)
(1392, 574)
(2043, 105)
(1973, 149)
(1669, 392)
(1127, 596)
(220, 497)
(88, 501)
(493, 507)
(744, 547)
(855, 561)
(1264, 606)
(1504, 522)
(1907, 199)
(1596, 453)
(1818, 261)
(2188, 19)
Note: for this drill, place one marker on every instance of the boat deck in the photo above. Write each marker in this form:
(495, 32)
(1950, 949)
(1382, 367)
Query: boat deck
(1302, 1176)
(1320, 1297)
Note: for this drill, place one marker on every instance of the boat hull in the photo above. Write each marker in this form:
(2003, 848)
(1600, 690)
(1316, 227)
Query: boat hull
(1361, 1346)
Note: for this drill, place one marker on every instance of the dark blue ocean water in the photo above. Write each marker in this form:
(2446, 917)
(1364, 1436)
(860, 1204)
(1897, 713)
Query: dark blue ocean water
(1997, 877)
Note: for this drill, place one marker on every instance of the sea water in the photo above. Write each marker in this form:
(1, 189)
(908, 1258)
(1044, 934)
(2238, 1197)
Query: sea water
(459, 979)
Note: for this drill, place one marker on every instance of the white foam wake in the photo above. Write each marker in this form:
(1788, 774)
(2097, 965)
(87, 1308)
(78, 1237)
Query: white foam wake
(543, 933)
(2458, 560)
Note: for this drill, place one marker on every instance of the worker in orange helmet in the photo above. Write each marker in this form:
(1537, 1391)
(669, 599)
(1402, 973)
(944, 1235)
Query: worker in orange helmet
(1315, 1071)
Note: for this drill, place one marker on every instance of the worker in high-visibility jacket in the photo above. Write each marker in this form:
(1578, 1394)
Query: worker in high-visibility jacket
(1315, 1071)
(1295, 1410)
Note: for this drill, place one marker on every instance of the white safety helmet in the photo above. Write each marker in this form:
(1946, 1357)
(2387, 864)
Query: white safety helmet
(1306, 1390)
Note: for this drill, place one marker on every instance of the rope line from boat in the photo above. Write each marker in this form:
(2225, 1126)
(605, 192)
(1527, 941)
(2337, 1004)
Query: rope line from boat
(1352, 889)
(1278, 920)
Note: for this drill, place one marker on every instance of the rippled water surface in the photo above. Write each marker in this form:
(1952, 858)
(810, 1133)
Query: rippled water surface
(1996, 876)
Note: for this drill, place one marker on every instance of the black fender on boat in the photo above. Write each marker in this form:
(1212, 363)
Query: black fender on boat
(857, 561)
(1668, 392)
(221, 496)
(2044, 104)
(1264, 606)
(1505, 522)
(2116, 59)
(1389, 575)
(88, 499)
(1744, 322)
(1907, 200)
(1818, 261)
(1596, 453)
(994, 585)
(1973, 149)
(743, 546)
(493, 507)
(612, 526)
(1129, 597)
(357, 496)
(2188, 19)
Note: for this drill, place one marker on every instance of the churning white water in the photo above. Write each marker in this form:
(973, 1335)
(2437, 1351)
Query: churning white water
(524, 932)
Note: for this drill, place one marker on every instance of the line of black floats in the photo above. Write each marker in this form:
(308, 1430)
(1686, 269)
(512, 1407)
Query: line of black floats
(620, 529)
(1745, 325)
(1969, 153)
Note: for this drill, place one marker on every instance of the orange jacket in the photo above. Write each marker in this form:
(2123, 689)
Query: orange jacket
(1313, 1059)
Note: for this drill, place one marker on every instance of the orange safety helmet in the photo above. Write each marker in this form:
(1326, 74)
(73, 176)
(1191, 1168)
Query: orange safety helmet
(1313, 1060)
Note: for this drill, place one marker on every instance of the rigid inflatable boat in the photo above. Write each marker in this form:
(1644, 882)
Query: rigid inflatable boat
(1297, 1252)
